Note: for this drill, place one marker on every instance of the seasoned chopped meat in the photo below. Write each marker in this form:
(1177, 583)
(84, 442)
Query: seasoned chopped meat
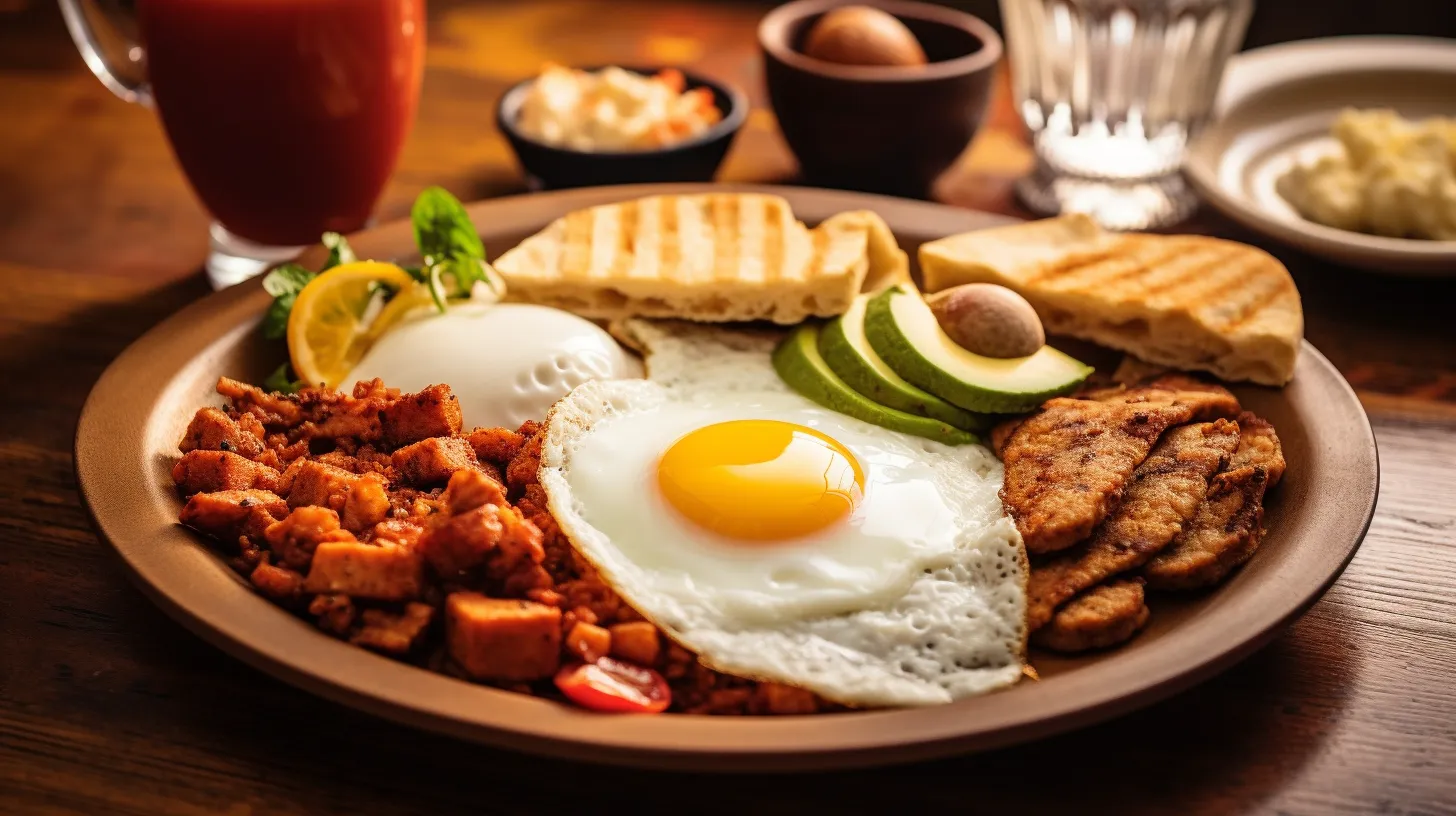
(360, 500)
(636, 641)
(295, 538)
(347, 531)
(231, 513)
(213, 430)
(335, 613)
(1162, 496)
(1227, 528)
(209, 471)
(587, 641)
(434, 460)
(494, 638)
(1103, 616)
(270, 409)
(374, 571)
(432, 412)
(392, 633)
(278, 583)
(469, 489)
(496, 445)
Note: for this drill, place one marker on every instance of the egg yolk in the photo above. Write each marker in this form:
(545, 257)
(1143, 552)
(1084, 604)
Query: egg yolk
(760, 480)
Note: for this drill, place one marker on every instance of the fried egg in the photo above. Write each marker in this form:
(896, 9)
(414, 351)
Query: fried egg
(782, 541)
(505, 362)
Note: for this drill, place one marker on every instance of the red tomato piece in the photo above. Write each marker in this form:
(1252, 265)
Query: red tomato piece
(613, 686)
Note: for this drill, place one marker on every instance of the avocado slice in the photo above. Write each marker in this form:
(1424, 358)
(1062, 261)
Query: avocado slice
(845, 349)
(902, 330)
(798, 363)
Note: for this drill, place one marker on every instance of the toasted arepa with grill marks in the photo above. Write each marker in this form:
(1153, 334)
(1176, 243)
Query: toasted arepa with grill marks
(709, 257)
(1187, 301)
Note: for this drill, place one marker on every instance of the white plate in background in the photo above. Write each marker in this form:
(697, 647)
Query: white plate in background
(1275, 109)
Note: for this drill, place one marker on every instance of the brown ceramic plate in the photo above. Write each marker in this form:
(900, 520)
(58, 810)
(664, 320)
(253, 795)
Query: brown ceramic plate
(127, 438)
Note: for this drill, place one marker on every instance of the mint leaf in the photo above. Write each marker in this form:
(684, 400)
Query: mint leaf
(442, 229)
(339, 250)
(281, 380)
(284, 284)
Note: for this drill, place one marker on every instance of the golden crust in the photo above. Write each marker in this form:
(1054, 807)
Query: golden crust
(1187, 301)
(1103, 616)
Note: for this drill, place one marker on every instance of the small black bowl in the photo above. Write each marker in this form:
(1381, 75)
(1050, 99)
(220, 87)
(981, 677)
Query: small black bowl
(696, 159)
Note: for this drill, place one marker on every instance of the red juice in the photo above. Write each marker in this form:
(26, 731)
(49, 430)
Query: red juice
(286, 115)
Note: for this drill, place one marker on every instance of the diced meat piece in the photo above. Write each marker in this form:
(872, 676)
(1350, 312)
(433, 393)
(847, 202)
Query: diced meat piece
(392, 633)
(361, 500)
(432, 412)
(403, 532)
(213, 430)
(587, 642)
(777, 698)
(231, 513)
(1103, 616)
(521, 472)
(469, 489)
(278, 583)
(294, 539)
(359, 570)
(434, 460)
(495, 535)
(335, 613)
(209, 471)
(636, 641)
(272, 409)
(496, 639)
(497, 445)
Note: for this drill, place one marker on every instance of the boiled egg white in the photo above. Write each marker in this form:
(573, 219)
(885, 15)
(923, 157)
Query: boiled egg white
(782, 541)
(505, 362)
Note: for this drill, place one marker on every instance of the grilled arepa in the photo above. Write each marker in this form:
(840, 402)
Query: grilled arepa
(711, 257)
(1186, 301)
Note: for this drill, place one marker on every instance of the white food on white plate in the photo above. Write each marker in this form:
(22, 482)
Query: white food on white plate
(613, 109)
(505, 362)
(917, 597)
(1391, 176)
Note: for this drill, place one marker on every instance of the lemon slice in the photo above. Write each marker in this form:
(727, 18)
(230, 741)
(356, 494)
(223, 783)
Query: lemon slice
(327, 329)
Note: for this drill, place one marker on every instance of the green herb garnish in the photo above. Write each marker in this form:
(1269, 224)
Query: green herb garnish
(284, 284)
(282, 380)
(339, 251)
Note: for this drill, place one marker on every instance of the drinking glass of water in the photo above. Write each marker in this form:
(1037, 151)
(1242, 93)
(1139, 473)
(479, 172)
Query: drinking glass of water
(1112, 90)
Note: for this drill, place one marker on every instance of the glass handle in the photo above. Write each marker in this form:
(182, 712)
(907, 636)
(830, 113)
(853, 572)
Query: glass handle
(78, 14)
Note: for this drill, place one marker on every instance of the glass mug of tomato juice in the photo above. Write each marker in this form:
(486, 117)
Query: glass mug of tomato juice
(287, 116)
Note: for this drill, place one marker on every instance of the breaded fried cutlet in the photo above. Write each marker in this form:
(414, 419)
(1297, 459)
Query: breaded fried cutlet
(1227, 528)
(1067, 465)
(1165, 492)
(1103, 616)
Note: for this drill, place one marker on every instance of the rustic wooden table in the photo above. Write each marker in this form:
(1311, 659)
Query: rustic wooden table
(107, 706)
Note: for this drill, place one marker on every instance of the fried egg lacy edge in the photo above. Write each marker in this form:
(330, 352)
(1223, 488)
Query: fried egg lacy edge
(958, 631)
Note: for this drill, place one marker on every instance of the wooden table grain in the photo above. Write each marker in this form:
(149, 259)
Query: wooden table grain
(107, 706)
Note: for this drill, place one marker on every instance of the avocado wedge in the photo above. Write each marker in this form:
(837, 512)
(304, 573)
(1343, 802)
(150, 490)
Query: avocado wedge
(798, 363)
(847, 351)
(902, 330)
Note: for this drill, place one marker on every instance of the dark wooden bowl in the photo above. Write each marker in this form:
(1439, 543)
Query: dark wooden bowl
(696, 159)
(886, 129)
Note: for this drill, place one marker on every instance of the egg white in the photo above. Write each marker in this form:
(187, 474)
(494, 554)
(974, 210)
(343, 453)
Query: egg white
(918, 598)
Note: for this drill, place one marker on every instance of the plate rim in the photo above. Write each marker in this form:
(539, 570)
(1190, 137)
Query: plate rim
(1259, 69)
(858, 739)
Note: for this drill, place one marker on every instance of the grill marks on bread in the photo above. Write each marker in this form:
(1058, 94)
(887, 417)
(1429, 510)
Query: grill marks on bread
(713, 257)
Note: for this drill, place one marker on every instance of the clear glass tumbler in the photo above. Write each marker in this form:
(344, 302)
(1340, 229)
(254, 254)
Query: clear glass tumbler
(1112, 91)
